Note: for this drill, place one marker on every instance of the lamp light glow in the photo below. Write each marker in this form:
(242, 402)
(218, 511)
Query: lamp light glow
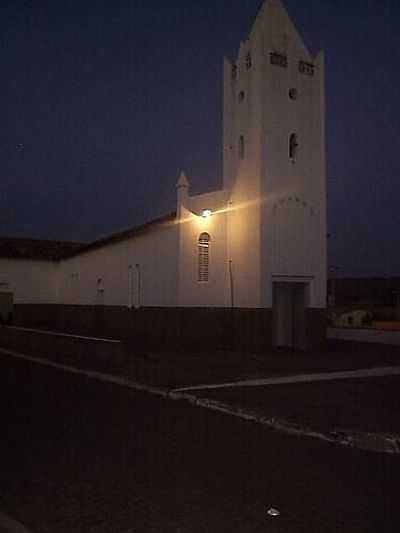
(206, 213)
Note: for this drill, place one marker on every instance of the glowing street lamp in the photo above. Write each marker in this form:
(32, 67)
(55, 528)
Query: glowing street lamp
(206, 213)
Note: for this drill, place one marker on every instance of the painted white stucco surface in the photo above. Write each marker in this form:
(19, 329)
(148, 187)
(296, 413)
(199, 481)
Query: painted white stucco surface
(30, 281)
(139, 271)
(193, 292)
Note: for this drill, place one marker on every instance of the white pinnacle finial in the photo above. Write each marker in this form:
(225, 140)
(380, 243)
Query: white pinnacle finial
(182, 189)
(182, 181)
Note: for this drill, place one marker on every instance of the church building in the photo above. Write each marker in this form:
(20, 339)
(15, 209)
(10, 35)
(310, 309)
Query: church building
(242, 267)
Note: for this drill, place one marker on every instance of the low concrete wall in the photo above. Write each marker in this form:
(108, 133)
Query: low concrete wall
(44, 343)
(144, 329)
(169, 329)
(365, 335)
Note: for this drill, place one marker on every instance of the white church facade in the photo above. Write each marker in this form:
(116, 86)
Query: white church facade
(246, 264)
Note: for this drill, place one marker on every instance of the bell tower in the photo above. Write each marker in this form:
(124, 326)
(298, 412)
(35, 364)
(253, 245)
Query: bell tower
(274, 162)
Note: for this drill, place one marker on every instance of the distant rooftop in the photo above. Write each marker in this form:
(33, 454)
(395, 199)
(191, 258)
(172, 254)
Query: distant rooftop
(21, 248)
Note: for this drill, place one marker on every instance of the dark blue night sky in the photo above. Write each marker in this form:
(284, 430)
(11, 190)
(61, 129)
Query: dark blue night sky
(103, 103)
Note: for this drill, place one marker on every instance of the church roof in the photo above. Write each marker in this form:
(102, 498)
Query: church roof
(125, 234)
(39, 249)
(47, 250)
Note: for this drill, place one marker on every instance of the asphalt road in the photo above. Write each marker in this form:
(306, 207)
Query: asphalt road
(83, 456)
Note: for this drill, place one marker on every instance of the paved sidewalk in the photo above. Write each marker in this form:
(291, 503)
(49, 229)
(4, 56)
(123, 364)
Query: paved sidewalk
(181, 370)
(362, 405)
(370, 335)
(296, 412)
(359, 408)
(349, 393)
(93, 457)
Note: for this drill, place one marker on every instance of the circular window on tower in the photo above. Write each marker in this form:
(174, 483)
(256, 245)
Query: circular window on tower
(293, 93)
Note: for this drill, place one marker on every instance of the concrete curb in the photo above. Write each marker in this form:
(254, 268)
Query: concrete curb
(375, 442)
(381, 443)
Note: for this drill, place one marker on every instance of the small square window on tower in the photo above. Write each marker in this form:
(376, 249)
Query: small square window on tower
(306, 68)
(278, 59)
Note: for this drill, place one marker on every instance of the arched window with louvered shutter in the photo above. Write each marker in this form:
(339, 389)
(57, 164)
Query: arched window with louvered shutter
(203, 257)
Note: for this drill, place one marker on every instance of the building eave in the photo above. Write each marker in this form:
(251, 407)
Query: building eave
(124, 234)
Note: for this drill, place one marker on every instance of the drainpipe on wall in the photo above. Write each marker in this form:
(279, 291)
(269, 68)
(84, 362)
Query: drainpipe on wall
(130, 287)
(230, 260)
(139, 285)
(233, 337)
(231, 284)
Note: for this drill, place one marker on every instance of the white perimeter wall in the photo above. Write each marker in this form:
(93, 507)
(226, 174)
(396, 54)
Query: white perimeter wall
(33, 282)
(109, 275)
